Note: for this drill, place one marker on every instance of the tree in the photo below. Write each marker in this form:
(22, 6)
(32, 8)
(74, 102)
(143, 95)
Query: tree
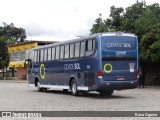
(3, 53)
(142, 20)
(99, 26)
(110, 24)
(131, 15)
(116, 18)
(10, 32)
(149, 27)
(119, 20)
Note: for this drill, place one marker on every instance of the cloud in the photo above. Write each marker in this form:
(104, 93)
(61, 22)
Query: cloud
(57, 19)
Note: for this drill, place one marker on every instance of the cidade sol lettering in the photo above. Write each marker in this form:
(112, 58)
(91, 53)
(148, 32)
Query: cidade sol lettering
(75, 66)
(118, 45)
(114, 45)
(127, 45)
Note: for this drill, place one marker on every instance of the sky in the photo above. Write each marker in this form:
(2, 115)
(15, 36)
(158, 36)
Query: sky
(58, 20)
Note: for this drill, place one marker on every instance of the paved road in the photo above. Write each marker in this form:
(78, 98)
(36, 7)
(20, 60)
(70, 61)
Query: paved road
(17, 96)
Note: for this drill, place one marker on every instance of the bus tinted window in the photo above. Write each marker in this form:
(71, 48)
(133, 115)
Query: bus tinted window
(53, 53)
(93, 44)
(118, 43)
(35, 56)
(49, 54)
(41, 56)
(77, 49)
(66, 51)
(57, 52)
(71, 52)
(38, 55)
(62, 52)
(45, 55)
(82, 53)
(90, 46)
(31, 55)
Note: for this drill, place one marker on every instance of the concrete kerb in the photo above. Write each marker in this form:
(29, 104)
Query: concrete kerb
(14, 81)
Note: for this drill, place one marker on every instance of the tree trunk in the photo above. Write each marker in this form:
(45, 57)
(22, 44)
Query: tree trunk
(6, 72)
(12, 72)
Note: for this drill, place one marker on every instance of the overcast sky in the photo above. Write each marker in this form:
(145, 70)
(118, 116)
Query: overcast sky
(57, 19)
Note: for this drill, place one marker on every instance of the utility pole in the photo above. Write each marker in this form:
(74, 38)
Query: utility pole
(101, 22)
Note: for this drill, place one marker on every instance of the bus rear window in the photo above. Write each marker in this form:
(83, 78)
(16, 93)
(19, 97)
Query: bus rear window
(118, 43)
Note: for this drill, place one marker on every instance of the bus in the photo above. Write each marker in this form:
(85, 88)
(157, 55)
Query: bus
(101, 62)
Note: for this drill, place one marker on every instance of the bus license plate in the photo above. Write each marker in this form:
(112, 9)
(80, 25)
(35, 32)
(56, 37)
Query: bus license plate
(120, 78)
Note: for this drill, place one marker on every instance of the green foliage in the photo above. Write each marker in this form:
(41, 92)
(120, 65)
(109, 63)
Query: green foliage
(99, 26)
(116, 18)
(132, 13)
(3, 53)
(13, 33)
(150, 44)
(9, 34)
(140, 19)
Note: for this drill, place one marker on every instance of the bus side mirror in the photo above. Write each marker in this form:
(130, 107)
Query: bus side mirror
(27, 63)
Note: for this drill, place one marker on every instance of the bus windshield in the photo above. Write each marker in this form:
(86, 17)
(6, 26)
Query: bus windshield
(118, 43)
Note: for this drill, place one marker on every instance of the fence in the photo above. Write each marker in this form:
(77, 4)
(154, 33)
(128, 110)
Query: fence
(8, 75)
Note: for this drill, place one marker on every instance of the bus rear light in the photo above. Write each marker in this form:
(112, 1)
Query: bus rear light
(99, 74)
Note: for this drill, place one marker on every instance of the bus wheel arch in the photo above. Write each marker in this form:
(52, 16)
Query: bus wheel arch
(37, 84)
(73, 86)
(70, 81)
(36, 81)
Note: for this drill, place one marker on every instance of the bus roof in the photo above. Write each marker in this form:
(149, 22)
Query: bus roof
(87, 37)
(119, 34)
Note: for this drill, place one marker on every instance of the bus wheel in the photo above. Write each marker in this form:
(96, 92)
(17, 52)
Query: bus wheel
(74, 89)
(106, 92)
(39, 88)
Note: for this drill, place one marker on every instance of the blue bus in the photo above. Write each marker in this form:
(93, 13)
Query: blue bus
(102, 62)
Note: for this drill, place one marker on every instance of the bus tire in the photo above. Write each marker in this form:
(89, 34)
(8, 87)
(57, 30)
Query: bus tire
(74, 89)
(39, 88)
(106, 92)
(65, 90)
(45, 89)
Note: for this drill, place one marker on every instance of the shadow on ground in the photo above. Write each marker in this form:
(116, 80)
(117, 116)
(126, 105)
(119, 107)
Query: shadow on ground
(93, 95)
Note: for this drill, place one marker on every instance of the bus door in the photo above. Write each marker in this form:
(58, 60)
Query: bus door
(119, 58)
(29, 67)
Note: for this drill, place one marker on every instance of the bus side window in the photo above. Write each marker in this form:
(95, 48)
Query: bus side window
(53, 53)
(62, 52)
(35, 56)
(90, 47)
(45, 54)
(49, 54)
(57, 52)
(66, 55)
(42, 55)
(77, 49)
(38, 55)
(71, 52)
(82, 52)
(93, 44)
(31, 55)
